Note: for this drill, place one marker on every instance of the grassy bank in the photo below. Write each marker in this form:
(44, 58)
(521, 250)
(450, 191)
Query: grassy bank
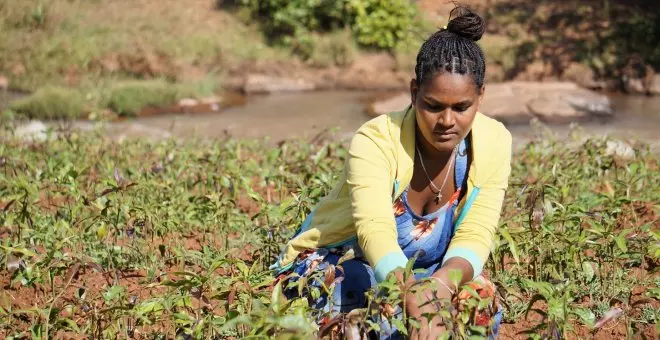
(85, 52)
(153, 240)
(120, 98)
(81, 50)
(79, 43)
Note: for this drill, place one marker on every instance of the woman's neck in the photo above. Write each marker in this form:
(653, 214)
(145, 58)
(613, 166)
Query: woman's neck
(429, 151)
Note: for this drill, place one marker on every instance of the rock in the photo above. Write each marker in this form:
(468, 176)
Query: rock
(202, 105)
(526, 87)
(32, 131)
(216, 103)
(520, 102)
(551, 109)
(395, 103)
(534, 71)
(188, 102)
(591, 102)
(633, 85)
(582, 75)
(259, 83)
(619, 149)
(551, 102)
(373, 72)
(4, 82)
(655, 86)
(500, 103)
(637, 76)
(211, 100)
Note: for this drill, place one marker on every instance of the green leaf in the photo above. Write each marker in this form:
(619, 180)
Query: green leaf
(373, 325)
(512, 245)
(277, 299)
(21, 251)
(455, 276)
(400, 326)
(150, 306)
(243, 268)
(298, 323)
(68, 323)
(556, 308)
(101, 231)
(586, 315)
(349, 255)
(588, 270)
(621, 243)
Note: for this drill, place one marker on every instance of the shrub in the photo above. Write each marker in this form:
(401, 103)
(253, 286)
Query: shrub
(286, 18)
(51, 103)
(383, 24)
(374, 23)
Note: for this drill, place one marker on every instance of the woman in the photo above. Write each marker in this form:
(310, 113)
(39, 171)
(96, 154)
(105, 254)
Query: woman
(428, 181)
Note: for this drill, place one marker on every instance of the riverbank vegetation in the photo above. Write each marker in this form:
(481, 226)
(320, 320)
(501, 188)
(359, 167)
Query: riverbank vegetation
(91, 47)
(173, 239)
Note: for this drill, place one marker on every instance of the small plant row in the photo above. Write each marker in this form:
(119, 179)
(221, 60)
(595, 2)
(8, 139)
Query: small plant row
(173, 239)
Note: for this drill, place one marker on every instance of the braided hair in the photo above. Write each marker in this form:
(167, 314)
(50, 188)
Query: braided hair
(454, 49)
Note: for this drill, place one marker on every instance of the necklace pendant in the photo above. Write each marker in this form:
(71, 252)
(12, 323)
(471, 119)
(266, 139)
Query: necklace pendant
(439, 197)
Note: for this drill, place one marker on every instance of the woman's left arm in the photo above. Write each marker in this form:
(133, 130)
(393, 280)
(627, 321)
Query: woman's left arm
(471, 245)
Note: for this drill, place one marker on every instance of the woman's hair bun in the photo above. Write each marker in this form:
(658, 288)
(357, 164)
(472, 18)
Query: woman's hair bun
(466, 23)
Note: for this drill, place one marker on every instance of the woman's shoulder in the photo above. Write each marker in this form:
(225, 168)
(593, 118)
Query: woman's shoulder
(491, 131)
(385, 126)
(491, 142)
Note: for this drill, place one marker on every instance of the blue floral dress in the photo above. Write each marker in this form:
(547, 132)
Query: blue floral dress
(426, 237)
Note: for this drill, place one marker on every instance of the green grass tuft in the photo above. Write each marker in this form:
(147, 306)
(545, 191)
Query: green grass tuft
(129, 98)
(51, 103)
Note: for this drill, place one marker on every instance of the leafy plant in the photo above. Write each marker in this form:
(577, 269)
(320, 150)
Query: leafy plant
(173, 239)
(380, 24)
(384, 24)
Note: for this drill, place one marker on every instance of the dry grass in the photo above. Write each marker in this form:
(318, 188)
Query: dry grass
(55, 42)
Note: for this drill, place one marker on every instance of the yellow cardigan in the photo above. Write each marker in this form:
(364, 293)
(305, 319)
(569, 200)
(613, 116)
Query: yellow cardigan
(378, 169)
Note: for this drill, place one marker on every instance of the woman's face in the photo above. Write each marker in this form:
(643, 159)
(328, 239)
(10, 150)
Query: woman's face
(446, 106)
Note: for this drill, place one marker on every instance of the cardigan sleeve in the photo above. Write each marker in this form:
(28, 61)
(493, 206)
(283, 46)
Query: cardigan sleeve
(475, 233)
(370, 178)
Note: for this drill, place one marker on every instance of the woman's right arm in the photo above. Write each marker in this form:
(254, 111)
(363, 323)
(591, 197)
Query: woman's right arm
(370, 167)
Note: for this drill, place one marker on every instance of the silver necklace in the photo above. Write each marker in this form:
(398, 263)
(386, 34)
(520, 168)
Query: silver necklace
(439, 190)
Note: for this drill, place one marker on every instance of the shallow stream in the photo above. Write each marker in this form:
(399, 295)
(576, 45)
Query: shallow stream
(306, 115)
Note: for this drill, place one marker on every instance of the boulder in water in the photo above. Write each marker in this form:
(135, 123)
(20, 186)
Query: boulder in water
(655, 86)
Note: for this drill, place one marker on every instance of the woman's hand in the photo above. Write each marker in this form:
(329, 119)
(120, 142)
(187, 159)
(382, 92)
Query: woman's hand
(423, 298)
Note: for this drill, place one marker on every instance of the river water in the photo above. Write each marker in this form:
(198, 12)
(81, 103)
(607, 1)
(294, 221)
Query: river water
(305, 115)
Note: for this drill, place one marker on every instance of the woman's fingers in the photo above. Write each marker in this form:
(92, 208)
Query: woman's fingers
(437, 329)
